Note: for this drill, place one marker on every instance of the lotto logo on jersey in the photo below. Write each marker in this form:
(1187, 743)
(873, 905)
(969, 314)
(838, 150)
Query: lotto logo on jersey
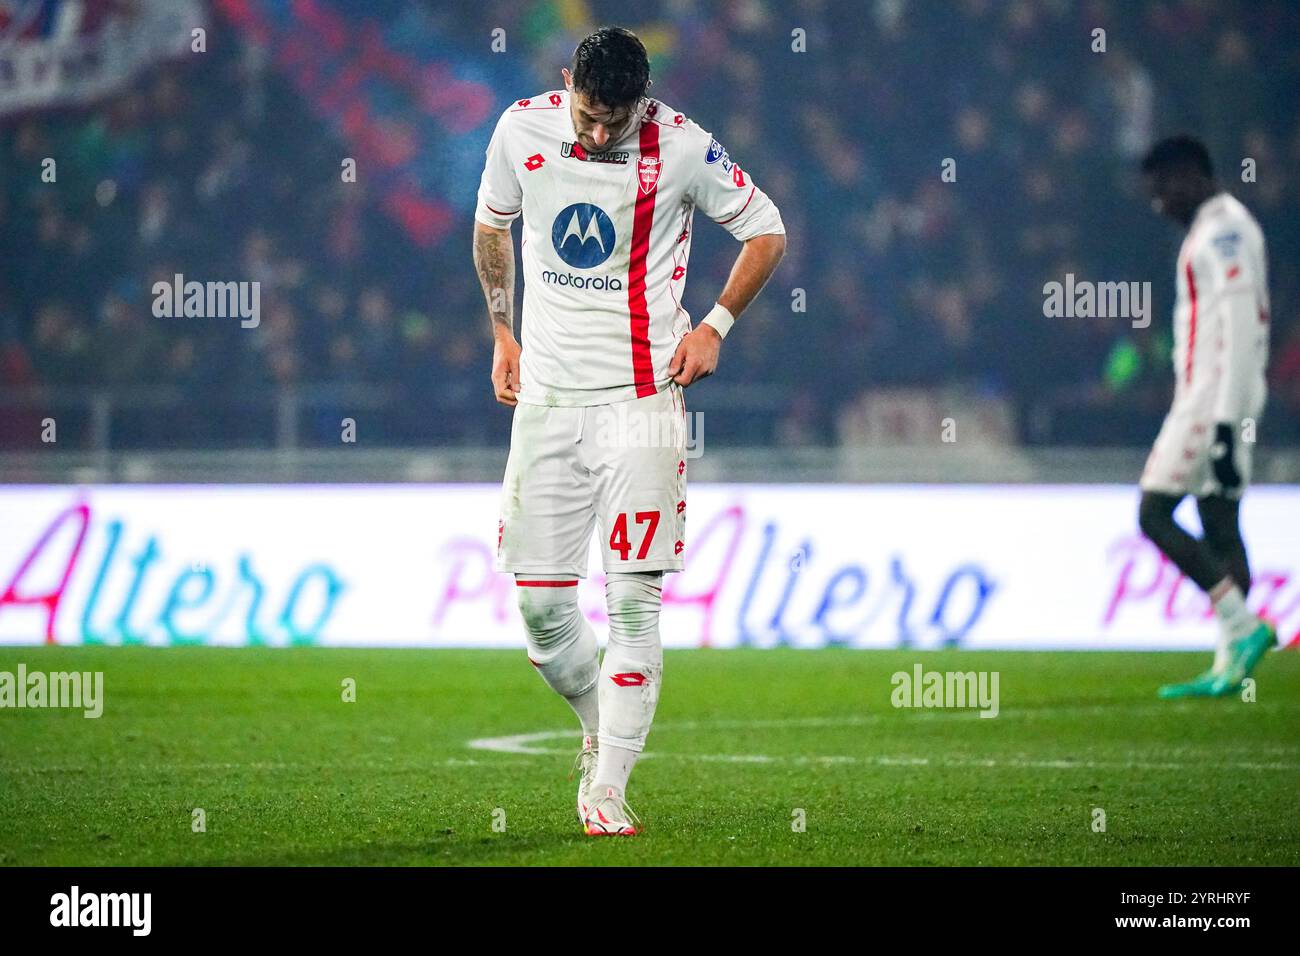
(583, 235)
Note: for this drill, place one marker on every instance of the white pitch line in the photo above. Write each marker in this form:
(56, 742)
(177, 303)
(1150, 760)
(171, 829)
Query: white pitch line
(528, 745)
(522, 743)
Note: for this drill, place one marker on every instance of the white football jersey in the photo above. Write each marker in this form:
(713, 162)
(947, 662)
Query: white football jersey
(606, 237)
(1221, 319)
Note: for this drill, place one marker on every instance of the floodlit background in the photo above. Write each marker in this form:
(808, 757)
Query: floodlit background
(921, 297)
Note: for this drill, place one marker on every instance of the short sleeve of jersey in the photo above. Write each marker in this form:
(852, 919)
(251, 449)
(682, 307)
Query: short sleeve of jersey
(724, 191)
(500, 198)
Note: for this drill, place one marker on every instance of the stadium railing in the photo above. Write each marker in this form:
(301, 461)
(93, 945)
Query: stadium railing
(351, 464)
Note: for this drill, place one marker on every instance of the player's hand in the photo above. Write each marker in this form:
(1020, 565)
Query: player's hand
(1225, 466)
(505, 370)
(696, 356)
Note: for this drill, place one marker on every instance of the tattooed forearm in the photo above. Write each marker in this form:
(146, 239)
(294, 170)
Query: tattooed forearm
(494, 260)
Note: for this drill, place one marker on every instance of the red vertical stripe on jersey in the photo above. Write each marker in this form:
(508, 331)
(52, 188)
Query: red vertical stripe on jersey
(643, 373)
(1191, 327)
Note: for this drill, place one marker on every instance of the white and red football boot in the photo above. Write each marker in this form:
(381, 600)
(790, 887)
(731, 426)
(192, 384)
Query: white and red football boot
(609, 815)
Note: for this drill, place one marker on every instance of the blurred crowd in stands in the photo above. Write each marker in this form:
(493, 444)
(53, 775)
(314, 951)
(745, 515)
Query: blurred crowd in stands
(212, 166)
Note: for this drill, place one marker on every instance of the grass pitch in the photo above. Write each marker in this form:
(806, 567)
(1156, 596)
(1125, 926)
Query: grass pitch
(288, 773)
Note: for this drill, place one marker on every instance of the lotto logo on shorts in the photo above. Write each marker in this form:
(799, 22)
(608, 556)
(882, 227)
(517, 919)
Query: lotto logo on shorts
(678, 547)
(501, 531)
(628, 680)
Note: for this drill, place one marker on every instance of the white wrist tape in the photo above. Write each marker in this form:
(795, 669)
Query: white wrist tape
(720, 319)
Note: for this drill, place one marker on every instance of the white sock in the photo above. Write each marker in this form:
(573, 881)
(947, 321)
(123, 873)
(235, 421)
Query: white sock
(587, 706)
(1221, 647)
(613, 767)
(561, 644)
(1235, 620)
(630, 674)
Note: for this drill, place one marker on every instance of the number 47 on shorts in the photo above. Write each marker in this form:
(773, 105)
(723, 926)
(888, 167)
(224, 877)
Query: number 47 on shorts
(618, 538)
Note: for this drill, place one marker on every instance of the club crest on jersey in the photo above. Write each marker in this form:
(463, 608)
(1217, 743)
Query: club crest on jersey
(583, 235)
(647, 172)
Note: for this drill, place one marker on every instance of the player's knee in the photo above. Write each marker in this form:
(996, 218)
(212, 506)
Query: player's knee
(1155, 516)
(1220, 527)
(548, 619)
(633, 602)
(1222, 541)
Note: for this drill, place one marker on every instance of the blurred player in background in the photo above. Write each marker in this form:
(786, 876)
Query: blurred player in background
(1204, 447)
(607, 181)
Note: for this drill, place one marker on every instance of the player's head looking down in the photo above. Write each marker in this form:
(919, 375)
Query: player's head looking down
(607, 87)
(1179, 176)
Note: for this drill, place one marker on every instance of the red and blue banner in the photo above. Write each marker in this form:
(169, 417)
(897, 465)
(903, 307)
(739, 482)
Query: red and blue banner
(414, 105)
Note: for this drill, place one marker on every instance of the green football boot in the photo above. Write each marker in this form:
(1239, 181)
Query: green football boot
(1244, 654)
(1208, 684)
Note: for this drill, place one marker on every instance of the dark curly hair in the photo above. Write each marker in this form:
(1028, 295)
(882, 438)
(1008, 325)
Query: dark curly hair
(1178, 152)
(611, 68)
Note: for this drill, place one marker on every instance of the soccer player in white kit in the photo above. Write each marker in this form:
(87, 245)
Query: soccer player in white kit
(1221, 323)
(607, 181)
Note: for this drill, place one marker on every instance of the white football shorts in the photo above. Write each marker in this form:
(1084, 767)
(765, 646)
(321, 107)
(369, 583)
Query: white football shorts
(619, 470)
(1182, 459)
